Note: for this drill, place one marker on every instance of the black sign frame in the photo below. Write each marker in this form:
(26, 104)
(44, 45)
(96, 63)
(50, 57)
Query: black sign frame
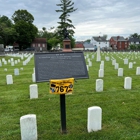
(60, 65)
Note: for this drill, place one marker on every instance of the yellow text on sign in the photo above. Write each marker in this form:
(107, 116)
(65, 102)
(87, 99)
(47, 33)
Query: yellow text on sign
(62, 86)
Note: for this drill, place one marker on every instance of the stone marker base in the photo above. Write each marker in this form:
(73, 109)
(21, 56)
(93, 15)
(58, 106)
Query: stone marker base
(67, 50)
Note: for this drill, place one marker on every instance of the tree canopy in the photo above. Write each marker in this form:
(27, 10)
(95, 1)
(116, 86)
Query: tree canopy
(7, 32)
(135, 35)
(22, 15)
(24, 27)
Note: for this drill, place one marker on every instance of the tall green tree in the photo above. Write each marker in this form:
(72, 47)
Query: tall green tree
(25, 28)
(134, 35)
(66, 7)
(7, 32)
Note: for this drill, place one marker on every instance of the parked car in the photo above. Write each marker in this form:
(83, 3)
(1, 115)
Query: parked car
(16, 48)
(106, 49)
(8, 49)
(29, 49)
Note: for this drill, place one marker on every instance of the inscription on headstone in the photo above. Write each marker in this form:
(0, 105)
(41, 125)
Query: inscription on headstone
(60, 65)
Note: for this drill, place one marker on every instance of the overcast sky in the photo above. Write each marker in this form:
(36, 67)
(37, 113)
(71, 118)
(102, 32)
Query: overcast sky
(92, 18)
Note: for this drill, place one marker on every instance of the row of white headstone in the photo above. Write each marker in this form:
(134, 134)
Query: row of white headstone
(9, 78)
(13, 62)
(28, 123)
(120, 71)
(100, 84)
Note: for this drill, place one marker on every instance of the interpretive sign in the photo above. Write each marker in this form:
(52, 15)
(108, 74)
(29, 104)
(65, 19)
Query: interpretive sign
(62, 86)
(60, 65)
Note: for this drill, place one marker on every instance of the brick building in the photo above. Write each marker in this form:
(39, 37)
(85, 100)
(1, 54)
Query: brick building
(40, 44)
(118, 43)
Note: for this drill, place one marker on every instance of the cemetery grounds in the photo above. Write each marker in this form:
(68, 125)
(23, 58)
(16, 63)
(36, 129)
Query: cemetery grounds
(120, 107)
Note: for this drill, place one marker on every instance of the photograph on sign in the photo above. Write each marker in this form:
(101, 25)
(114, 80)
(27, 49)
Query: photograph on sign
(62, 86)
(60, 65)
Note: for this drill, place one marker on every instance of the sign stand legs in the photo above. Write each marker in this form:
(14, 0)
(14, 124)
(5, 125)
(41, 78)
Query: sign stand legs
(63, 113)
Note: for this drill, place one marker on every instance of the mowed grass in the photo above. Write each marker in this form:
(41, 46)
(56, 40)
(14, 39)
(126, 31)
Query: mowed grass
(120, 107)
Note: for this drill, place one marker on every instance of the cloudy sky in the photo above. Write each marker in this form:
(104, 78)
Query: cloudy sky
(92, 18)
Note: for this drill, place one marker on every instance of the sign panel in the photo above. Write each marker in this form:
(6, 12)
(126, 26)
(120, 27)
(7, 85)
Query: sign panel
(62, 86)
(60, 65)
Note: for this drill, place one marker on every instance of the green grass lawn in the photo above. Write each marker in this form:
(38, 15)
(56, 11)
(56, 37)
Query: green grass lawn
(120, 107)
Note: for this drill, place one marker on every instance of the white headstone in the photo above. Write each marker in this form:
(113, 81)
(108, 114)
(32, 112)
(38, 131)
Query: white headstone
(12, 59)
(128, 83)
(125, 61)
(12, 63)
(87, 67)
(24, 63)
(107, 58)
(33, 77)
(5, 62)
(3, 59)
(99, 85)
(90, 63)
(33, 91)
(113, 61)
(102, 62)
(28, 127)
(9, 79)
(9, 61)
(0, 64)
(94, 122)
(130, 65)
(16, 71)
(116, 66)
(120, 72)
(16, 61)
(101, 66)
(98, 54)
(138, 71)
(5, 69)
(101, 73)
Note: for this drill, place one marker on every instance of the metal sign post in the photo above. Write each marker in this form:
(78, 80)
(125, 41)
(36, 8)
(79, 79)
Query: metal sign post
(63, 113)
(62, 87)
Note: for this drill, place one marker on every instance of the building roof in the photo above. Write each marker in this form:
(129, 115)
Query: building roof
(86, 45)
(79, 45)
(40, 40)
(134, 39)
(99, 38)
(118, 38)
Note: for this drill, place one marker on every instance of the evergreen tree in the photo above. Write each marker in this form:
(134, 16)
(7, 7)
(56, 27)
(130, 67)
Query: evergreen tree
(65, 23)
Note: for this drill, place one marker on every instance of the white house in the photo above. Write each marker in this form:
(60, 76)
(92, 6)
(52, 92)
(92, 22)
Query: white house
(99, 41)
(134, 40)
(89, 46)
